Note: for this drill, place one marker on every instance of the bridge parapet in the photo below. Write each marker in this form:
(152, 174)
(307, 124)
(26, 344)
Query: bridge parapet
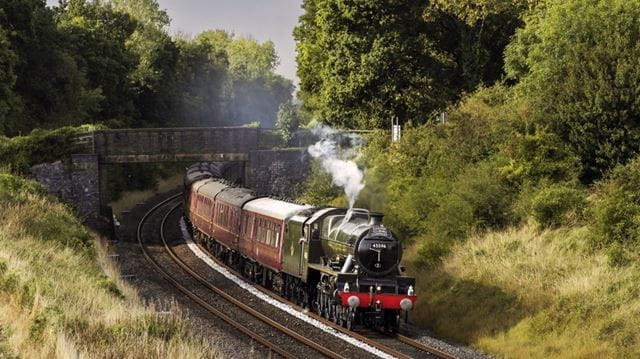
(175, 144)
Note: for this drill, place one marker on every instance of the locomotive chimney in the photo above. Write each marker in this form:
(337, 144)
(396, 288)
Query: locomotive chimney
(375, 218)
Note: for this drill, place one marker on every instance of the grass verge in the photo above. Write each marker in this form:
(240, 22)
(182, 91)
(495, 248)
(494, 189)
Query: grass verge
(60, 296)
(523, 293)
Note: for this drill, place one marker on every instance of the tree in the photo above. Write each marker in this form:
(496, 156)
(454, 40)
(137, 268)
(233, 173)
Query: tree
(309, 58)
(255, 91)
(201, 77)
(477, 11)
(154, 78)
(362, 63)
(577, 63)
(288, 122)
(377, 60)
(8, 98)
(482, 31)
(97, 34)
(51, 88)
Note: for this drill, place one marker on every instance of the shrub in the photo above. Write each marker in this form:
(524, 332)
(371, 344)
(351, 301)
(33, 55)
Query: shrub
(453, 219)
(616, 256)
(487, 193)
(21, 152)
(288, 122)
(552, 205)
(431, 252)
(616, 208)
(617, 217)
(539, 156)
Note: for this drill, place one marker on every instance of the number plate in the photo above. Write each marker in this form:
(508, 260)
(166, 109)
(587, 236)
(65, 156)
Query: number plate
(379, 232)
(379, 245)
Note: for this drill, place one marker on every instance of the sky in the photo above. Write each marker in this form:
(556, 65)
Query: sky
(263, 20)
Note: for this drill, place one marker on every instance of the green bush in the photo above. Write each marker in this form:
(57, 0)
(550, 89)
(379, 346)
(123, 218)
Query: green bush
(616, 256)
(411, 202)
(453, 219)
(616, 208)
(21, 152)
(617, 217)
(318, 188)
(552, 205)
(539, 156)
(487, 193)
(431, 252)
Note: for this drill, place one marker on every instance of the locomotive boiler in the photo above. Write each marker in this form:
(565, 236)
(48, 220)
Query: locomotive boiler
(343, 264)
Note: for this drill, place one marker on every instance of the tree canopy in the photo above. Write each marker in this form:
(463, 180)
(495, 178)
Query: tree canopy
(577, 62)
(113, 62)
(362, 63)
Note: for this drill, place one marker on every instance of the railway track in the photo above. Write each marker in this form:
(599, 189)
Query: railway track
(267, 343)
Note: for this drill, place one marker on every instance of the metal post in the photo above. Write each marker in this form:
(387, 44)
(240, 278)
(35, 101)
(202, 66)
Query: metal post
(396, 130)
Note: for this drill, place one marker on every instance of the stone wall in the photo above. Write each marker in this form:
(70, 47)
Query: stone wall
(278, 172)
(76, 182)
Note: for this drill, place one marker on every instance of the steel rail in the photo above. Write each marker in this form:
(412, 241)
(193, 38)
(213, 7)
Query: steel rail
(301, 338)
(257, 337)
(421, 346)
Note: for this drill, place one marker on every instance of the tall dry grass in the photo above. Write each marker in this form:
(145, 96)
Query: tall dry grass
(61, 296)
(522, 293)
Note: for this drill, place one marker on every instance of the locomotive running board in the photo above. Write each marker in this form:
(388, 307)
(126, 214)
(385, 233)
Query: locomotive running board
(322, 268)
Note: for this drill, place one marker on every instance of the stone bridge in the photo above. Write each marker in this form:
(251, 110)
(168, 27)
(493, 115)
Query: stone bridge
(179, 144)
(82, 180)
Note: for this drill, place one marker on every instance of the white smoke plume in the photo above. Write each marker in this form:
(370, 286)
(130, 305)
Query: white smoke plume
(336, 152)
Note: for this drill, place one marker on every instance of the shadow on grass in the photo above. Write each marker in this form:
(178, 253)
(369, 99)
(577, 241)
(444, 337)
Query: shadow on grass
(465, 310)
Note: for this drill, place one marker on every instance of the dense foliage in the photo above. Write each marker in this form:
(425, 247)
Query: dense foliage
(526, 149)
(113, 62)
(577, 63)
(362, 63)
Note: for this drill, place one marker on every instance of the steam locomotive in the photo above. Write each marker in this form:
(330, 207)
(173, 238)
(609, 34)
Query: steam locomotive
(343, 264)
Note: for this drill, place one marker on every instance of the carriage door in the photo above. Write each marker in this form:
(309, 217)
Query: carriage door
(302, 263)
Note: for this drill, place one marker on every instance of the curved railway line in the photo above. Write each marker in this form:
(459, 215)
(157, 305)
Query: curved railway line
(399, 346)
(274, 347)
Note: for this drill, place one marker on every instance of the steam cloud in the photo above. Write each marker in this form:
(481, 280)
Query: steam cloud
(336, 152)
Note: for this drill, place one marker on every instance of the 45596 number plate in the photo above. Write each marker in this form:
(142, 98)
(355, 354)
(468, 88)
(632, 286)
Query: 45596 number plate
(379, 245)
